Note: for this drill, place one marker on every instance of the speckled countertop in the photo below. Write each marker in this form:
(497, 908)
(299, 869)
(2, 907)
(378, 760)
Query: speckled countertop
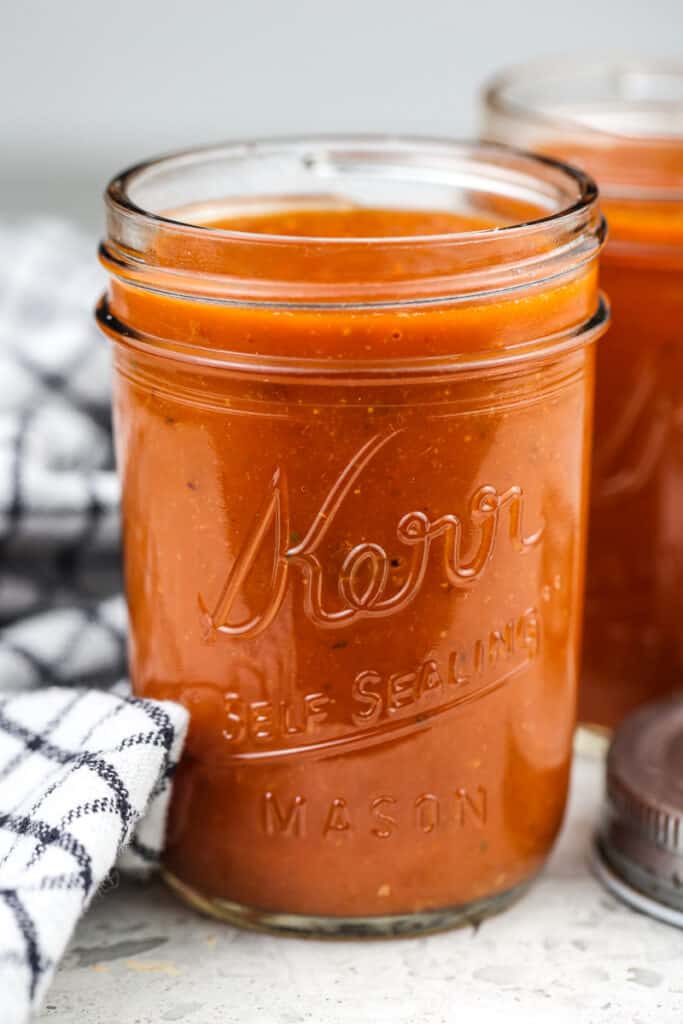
(567, 952)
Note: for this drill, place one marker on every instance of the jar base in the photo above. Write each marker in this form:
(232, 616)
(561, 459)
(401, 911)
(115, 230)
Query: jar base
(329, 927)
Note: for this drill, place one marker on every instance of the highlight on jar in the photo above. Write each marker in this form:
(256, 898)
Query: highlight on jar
(623, 122)
(353, 409)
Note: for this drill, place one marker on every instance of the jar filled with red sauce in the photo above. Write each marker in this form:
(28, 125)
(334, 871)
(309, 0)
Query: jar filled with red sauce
(624, 124)
(353, 401)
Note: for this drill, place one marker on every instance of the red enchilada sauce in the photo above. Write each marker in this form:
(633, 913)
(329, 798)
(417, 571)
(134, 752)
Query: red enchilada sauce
(633, 648)
(633, 632)
(366, 588)
(622, 121)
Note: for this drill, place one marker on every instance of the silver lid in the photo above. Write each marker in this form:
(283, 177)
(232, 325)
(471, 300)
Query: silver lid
(640, 842)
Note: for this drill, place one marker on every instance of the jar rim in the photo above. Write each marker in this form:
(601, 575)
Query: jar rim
(224, 265)
(118, 198)
(629, 117)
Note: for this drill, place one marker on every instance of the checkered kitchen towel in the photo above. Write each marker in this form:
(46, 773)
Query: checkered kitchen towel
(84, 767)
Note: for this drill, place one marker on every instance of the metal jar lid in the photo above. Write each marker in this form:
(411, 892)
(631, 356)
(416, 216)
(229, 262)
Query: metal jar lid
(639, 848)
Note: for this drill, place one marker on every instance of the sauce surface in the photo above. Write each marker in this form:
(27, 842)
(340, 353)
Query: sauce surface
(367, 594)
(343, 221)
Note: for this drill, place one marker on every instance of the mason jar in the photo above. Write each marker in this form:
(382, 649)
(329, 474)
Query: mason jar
(623, 121)
(353, 401)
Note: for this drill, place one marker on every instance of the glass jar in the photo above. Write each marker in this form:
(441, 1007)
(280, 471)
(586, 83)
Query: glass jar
(624, 123)
(354, 477)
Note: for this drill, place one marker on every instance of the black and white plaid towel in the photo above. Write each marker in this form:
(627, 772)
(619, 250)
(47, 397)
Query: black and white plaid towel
(84, 768)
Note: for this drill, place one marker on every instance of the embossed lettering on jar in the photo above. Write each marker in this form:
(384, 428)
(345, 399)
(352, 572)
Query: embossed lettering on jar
(352, 436)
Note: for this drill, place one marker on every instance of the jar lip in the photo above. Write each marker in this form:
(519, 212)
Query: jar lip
(615, 72)
(118, 199)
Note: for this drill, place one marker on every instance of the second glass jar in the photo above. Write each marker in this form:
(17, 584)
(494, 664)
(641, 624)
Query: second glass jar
(623, 121)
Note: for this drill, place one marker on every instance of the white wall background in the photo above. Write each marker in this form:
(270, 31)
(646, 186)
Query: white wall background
(87, 87)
